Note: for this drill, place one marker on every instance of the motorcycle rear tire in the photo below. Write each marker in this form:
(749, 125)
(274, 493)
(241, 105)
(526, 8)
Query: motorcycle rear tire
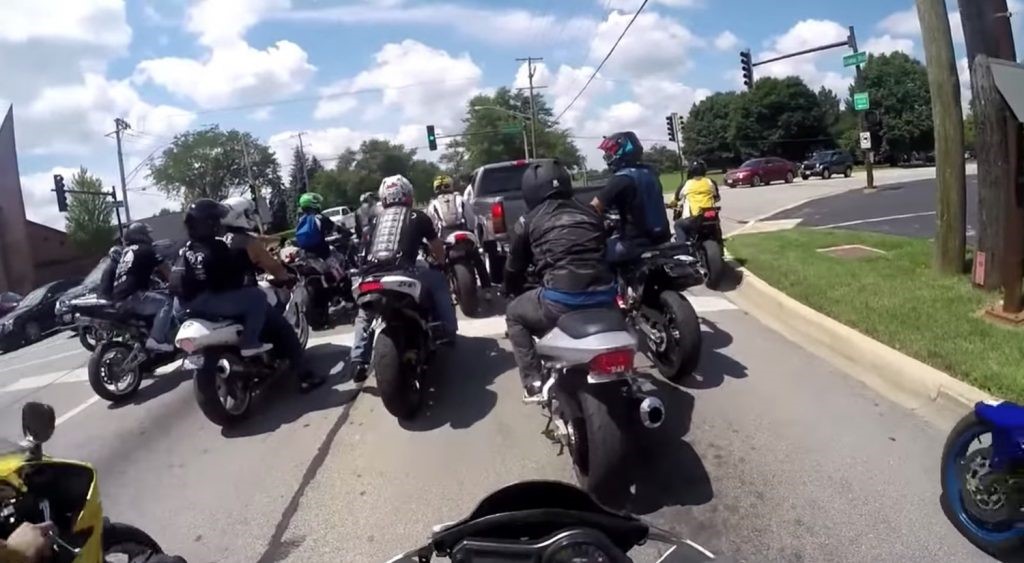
(606, 422)
(687, 323)
(95, 368)
(205, 387)
(399, 390)
(465, 284)
(714, 262)
(126, 539)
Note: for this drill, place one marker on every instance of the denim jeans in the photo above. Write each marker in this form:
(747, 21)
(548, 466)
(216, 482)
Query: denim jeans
(621, 250)
(435, 288)
(248, 304)
(158, 305)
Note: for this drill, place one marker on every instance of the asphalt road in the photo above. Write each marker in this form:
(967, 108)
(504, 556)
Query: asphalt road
(905, 209)
(769, 454)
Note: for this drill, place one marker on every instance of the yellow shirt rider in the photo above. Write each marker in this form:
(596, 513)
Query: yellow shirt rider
(697, 194)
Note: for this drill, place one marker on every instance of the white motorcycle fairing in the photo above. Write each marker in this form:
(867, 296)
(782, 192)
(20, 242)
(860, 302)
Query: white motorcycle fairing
(196, 334)
(458, 236)
(391, 282)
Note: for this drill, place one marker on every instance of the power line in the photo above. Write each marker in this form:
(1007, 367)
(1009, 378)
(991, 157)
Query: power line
(603, 61)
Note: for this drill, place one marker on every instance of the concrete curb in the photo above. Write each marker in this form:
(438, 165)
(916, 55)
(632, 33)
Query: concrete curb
(901, 378)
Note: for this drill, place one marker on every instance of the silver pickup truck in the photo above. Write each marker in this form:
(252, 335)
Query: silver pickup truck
(495, 199)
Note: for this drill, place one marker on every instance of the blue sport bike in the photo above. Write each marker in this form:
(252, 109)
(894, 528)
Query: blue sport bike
(983, 477)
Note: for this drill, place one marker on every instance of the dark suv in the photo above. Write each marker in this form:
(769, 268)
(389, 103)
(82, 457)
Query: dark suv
(827, 163)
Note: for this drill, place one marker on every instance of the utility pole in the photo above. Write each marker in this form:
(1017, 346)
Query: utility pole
(987, 32)
(121, 126)
(947, 116)
(531, 70)
(869, 154)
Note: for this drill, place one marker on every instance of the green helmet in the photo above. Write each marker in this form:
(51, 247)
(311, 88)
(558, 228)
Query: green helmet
(310, 200)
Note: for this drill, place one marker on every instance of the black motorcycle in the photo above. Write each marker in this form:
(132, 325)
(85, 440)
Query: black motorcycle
(120, 362)
(325, 289)
(404, 338)
(461, 248)
(552, 522)
(708, 243)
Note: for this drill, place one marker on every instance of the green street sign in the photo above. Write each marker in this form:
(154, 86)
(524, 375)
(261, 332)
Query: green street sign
(861, 101)
(512, 128)
(854, 59)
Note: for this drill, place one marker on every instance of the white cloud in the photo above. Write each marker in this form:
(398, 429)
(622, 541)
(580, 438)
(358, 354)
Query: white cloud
(223, 22)
(888, 44)
(726, 41)
(633, 5)
(336, 101)
(804, 35)
(904, 23)
(654, 45)
(501, 26)
(97, 22)
(562, 87)
(40, 203)
(71, 118)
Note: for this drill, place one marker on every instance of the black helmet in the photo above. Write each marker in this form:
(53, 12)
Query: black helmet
(138, 233)
(696, 169)
(622, 150)
(546, 179)
(202, 219)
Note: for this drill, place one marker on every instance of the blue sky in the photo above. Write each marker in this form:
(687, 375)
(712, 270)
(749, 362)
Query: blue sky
(345, 70)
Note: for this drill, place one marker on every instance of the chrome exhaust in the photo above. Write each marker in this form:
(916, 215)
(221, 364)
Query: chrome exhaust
(652, 412)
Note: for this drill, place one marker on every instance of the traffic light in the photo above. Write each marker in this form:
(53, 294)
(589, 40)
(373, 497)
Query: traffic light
(747, 66)
(670, 120)
(431, 138)
(62, 196)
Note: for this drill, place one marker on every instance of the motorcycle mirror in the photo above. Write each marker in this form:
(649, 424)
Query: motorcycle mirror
(38, 421)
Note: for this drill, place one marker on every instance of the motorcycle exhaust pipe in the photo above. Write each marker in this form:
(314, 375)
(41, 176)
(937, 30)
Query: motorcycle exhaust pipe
(652, 412)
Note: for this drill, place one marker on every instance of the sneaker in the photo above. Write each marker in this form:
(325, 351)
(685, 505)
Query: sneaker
(249, 352)
(532, 389)
(155, 346)
(360, 372)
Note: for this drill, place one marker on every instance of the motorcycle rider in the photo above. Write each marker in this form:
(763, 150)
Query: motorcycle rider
(369, 207)
(448, 211)
(206, 280)
(394, 244)
(635, 192)
(251, 255)
(692, 198)
(566, 241)
(314, 228)
(132, 280)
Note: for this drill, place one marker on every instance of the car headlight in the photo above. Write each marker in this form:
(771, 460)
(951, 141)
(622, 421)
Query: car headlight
(61, 308)
(5, 327)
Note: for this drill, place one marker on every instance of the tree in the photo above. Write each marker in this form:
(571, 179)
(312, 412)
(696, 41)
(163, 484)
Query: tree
(165, 211)
(359, 171)
(664, 158)
(969, 130)
(705, 131)
(898, 85)
(491, 135)
(779, 117)
(89, 220)
(210, 163)
(830, 108)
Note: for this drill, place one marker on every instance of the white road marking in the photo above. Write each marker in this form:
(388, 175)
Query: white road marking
(67, 416)
(876, 220)
(41, 360)
(491, 326)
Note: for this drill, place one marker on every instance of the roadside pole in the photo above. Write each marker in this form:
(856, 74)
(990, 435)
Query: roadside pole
(869, 154)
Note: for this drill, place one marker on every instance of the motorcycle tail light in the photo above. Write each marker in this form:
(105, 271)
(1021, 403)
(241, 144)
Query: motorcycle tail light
(616, 361)
(498, 217)
(710, 214)
(459, 237)
(368, 286)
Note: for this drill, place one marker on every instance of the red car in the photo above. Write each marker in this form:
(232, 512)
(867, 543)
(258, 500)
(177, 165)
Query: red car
(760, 171)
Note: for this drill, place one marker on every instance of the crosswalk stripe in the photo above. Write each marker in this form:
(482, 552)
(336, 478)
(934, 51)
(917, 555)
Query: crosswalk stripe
(490, 326)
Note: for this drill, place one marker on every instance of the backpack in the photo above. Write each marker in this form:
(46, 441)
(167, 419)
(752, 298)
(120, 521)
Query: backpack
(105, 288)
(307, 233)
(449, 215)
(182, 283)
(649, 204)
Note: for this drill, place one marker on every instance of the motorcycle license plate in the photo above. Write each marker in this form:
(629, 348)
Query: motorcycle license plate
(193, 362)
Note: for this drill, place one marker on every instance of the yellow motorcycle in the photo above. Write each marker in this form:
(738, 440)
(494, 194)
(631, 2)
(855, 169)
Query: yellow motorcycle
(35, 488)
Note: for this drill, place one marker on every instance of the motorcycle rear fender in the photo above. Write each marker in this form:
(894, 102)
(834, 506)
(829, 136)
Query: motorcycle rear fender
(204, 334)
(1006, 421)
(558, 348)
(466, 236)
(402, 284)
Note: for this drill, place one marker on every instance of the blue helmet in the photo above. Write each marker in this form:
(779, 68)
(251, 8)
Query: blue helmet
(622, 150)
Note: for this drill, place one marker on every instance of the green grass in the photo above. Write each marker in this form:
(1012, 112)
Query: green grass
(895, 298)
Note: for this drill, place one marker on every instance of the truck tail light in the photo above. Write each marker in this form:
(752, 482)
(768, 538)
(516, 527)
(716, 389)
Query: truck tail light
(498, 217)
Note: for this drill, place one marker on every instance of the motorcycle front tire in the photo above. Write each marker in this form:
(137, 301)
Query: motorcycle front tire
(465, 284)
(95, 372)
(606, 444)
(399, 390)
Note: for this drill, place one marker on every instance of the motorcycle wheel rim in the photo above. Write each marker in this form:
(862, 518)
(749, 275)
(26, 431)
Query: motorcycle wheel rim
(952, 471)
(125, 379)
(232, 393)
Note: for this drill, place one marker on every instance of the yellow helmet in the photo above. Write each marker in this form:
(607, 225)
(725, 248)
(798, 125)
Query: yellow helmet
(442, 183)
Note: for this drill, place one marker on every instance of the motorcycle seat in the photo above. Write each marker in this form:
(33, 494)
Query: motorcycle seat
(588, 322)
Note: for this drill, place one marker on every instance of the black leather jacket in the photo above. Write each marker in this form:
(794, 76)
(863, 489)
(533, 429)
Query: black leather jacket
(565, 240)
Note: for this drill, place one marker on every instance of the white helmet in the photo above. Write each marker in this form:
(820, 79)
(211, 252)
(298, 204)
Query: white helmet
(395, 190)
(241, 213)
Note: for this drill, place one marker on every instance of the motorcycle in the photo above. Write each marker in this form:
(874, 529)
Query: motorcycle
(325, 288)
(982, 472)
(593, 398)
(709, 245)
(90, 334)
(36, 488)
(404, 339)
(121, 360)
(225, 382)
(547, 521)
(459, 248)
